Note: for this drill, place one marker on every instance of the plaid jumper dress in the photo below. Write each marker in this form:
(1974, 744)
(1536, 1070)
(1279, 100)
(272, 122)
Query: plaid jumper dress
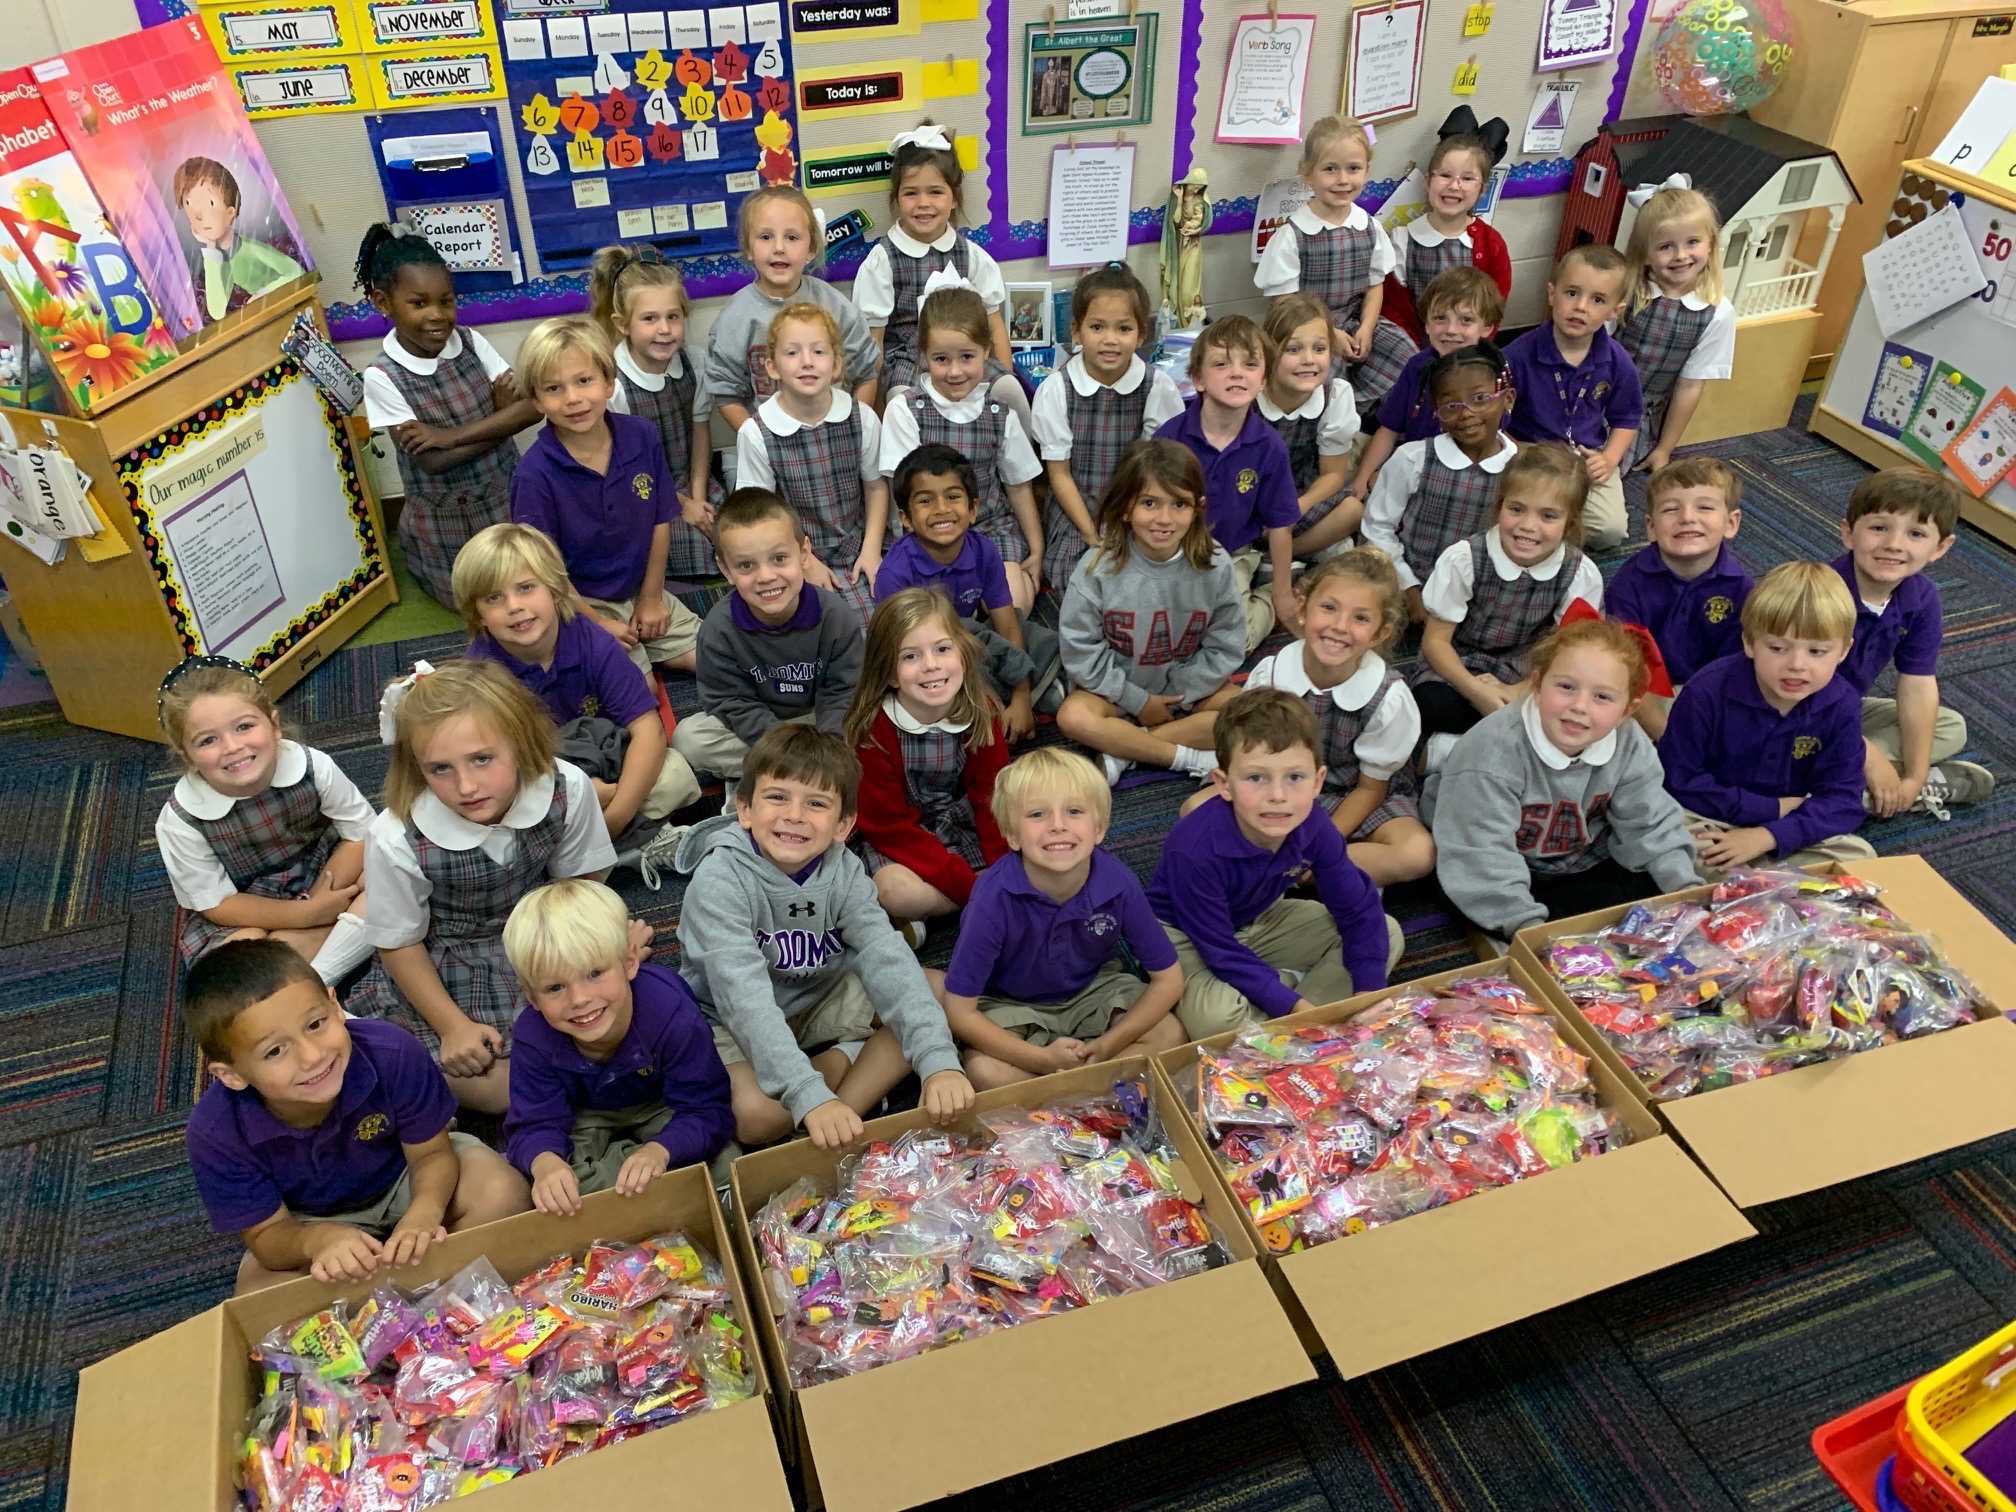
(443, 510)
(1420, 265)
(907, 276)
(818, 469)
(1301, 433)
(271, 845)
(1450, 504)
(1505, 618)
(691, 554)
(1660, 338)
(1337, 269)
(472, 898)
(979, 441)
(1337, 731)
(934, 780)
(1104, 423)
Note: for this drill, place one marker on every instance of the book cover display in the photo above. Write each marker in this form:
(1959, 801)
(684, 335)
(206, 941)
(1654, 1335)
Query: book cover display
(87, 315)
(163, 138)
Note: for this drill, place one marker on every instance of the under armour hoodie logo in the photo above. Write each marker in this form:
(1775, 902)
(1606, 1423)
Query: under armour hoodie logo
(808, 909)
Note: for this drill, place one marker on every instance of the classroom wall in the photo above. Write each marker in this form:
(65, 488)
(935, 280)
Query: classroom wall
(324, 162)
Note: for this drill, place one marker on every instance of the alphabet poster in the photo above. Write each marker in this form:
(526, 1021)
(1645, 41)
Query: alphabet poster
(641, 125)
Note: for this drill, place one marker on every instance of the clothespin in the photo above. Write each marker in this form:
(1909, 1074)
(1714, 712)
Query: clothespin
(1049, 20)
(1273, 15)
(1119, 139)
(1071, 142)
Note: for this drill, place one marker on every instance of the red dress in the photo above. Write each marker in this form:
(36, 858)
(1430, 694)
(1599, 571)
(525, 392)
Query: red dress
(925, 800)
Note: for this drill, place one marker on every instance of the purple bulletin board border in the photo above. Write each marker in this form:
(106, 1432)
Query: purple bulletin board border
(1007, 240)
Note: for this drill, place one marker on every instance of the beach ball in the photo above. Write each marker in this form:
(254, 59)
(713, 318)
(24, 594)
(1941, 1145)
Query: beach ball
(1712, 57)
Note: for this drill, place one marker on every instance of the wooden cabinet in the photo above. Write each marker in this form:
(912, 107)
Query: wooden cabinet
(1879, 82)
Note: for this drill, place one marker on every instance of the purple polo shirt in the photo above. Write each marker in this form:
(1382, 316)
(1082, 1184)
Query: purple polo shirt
(1408, 407)
(666, 1058)
(1017, 942)
(1249, 488)
(1730, 756)
(805, 617)
(1693, 622)
(602, 523)
(248, 1164)
(1212, 882)
(591, 676)
(1908, 630)
(975, 580)
(1581, 404)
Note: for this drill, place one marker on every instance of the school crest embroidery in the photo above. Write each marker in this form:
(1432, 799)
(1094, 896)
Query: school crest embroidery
(1249, 479)
(1101, 924)
(640, 485)
(590, 706)
(1601, 392)
(372, 1126)
(1718, 609)
(1804, 746)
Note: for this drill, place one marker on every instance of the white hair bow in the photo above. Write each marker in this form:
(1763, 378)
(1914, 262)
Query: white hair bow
(932, 137)
(395, 695)
(945, 278)
(1644, 192)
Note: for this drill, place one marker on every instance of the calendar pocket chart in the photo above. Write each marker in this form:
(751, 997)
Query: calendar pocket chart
(639, 124)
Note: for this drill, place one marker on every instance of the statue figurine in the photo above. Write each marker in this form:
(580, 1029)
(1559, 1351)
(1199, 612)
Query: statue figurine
(1183, 226)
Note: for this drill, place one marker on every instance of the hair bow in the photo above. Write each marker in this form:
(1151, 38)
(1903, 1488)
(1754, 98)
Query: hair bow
(1494, 133)
(945, 278)
(190, 664)
(1644, 192)
(395, 695)
(932, 137)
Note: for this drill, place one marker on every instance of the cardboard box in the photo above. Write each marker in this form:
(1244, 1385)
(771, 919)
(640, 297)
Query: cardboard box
(904, 1433)
(1403, 1289)
(1844, 1118)
(157, 1425)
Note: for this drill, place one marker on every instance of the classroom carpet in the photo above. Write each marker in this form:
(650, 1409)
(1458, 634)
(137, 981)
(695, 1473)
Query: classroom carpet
(1694, 1387)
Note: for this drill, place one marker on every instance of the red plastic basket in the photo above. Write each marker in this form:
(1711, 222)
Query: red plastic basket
(1852, 1447)
(1920, 1485)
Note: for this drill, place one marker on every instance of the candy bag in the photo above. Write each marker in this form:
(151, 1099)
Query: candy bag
(470, 1297)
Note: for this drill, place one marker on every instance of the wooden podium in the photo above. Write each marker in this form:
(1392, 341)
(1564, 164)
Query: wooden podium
(242, 533)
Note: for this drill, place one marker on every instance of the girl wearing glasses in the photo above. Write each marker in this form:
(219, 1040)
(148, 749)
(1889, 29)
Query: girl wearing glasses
(1435, 493)
(1450, 234)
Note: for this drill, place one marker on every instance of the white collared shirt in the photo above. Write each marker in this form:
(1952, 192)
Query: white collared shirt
(875, 279)
(198, 878)
(1400, 479)
(1334, 403)
(1451, 586)
(395, 889)
(1280, 269)
(1017, 459)
(910, 724)
(1387, 740)
(752, 452)
(1419, 232)
(1595, 753)
(629, 371)
(1050, 411)
(385, 406)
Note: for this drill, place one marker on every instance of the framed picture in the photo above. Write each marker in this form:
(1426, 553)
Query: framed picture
(1028, 315)
(1098, 74)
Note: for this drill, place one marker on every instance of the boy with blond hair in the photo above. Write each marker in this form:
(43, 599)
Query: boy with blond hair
(596, 483)
(614, 1075)
(1037, 983)
(1764, 750)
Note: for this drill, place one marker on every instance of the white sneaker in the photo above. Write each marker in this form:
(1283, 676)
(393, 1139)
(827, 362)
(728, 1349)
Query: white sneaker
(1950, 783)
(913, 932)
(656, 856)
(1116, 768)
(1437, 750)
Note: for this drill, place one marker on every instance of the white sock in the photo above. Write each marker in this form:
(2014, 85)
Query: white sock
(344, 951)
(1197, 763)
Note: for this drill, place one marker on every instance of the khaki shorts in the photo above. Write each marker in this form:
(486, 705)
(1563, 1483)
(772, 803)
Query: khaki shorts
(842, 1020)
(1084, 1015)
(379, 1218)
(682, 630)
(606, 1137)
(710, 746)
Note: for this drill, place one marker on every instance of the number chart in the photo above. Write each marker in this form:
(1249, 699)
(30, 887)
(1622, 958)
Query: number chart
(641, 126)
(1993, 248)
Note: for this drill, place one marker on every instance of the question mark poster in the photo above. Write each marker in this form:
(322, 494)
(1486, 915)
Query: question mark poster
(641, 125)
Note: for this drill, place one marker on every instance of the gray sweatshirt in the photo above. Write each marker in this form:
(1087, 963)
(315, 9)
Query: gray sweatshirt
(752, 676)
(1501, 813)
(761, 951)
(739, 340)
(1151, 627)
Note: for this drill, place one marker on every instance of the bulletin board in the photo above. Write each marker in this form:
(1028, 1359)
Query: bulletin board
(646, 126)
